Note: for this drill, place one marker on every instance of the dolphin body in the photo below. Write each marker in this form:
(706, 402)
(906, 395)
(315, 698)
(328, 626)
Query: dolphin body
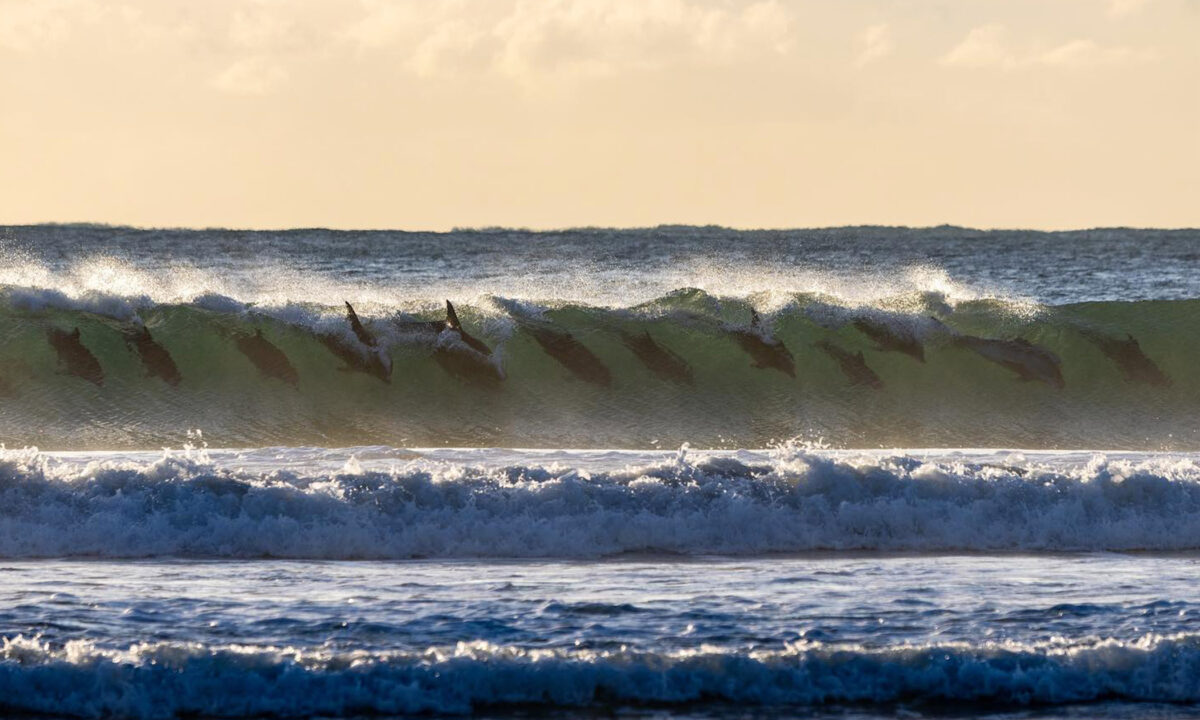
(373, 361)
(74, 357)
(571, 354)
(853, 365)
(1027, 360)
(1128, 356)
(888, 339)
(767, 353)
(463, 355)
(269, 360)
(155, 358)
(659, 360)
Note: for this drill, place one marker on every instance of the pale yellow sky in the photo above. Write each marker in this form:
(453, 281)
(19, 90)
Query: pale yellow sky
(431, 114)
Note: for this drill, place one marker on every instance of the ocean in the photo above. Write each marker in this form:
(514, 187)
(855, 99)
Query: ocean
(675, 471)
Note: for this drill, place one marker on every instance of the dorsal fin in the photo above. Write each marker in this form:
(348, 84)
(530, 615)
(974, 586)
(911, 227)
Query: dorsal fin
(360, 332)
(452, 317)
(75, 333)
(754, 319)
(258, 332)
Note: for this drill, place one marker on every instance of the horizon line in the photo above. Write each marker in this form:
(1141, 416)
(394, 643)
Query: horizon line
(593, 228)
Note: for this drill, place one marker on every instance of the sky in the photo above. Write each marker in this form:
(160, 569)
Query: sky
(435, 114)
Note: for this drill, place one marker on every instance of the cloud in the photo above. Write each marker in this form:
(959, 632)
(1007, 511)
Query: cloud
(875, 42)
(1086, 53)
(533, 39)
(256, 75)
(1122, 8)
(258, 28)
(988, 47)
(27, 25)
(983, 47)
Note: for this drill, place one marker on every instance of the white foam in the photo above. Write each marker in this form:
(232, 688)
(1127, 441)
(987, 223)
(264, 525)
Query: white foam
(797, 501)
(162, 679)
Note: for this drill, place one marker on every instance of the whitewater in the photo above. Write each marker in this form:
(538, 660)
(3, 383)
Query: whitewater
(854, 472)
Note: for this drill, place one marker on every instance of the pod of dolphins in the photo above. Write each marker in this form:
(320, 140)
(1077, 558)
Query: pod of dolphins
(469, 359)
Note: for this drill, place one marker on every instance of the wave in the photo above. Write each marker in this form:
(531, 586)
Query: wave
(914, 370)
(798, 501)
(162, 680)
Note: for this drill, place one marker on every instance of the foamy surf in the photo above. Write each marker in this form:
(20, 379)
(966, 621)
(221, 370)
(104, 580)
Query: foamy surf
(791, 501)
(163, 680)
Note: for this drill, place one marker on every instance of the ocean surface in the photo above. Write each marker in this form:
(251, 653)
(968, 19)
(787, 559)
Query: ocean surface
(844, 473)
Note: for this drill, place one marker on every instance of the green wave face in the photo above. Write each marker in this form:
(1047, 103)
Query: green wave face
(968, 392)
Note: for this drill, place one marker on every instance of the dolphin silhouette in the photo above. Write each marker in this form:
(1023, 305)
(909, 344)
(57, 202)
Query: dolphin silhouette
(269, 360)
(659, 360)
(1028, 361)
(369, 359)
(889, 339)
(767, 353)
(464, 356)
(1128, 356)
(853, 365)
(74, 356)
(571, 354)
(155, 358)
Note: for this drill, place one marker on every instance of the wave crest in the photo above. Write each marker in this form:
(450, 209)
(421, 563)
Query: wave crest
(799, 501)
(162, 680)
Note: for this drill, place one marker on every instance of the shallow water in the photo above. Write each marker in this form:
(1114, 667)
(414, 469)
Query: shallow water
(700, 636)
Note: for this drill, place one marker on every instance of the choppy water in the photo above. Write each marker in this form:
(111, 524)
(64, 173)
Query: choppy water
(918, 635)
(345, 536)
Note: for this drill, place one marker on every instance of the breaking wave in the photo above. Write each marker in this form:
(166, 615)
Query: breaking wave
(163, 680)
(798, 501)
(910, 370)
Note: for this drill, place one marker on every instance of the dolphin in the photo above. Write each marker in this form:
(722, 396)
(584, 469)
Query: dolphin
(659, 360)
(853, 365)
(1128, 356)
(766, 352)
(463, 355)
(1028, 361)
(466, 363)
(471, 341)
(72, 355)
(269, 360)
(571, 354)
(888, 339)
(369, 359)
(155, 358)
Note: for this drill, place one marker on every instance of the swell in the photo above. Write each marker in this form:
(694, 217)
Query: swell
(795, 502)
(687, 367)
(163, 680)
